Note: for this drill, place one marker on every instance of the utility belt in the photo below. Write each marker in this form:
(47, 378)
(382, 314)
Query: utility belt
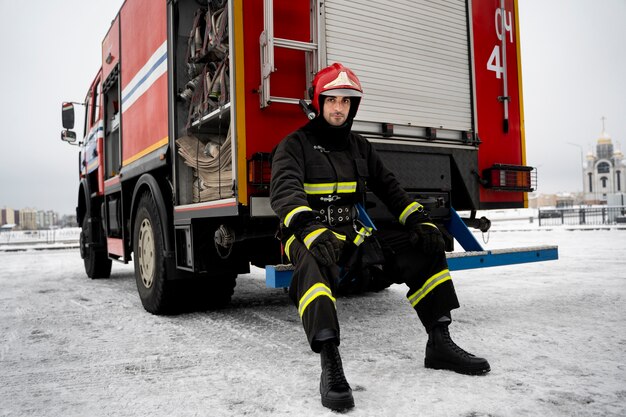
(336, 215)
(349, 214)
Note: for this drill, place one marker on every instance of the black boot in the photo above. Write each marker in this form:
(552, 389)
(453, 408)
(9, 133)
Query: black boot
(443, 353)
(335, 390)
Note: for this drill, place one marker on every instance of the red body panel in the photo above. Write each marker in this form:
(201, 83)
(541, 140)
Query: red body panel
(143, 31)
(115, 246)
(145, 123)
(144, 87)
(111, 48)
(266, 127)
(497, 145)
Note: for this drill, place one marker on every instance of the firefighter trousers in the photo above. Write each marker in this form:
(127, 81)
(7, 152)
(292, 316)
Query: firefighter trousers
(312, 290)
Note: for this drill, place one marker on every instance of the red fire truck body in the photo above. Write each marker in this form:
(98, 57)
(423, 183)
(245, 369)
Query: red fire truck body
(193, 96)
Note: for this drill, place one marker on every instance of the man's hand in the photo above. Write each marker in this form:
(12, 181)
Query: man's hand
(324, 245)
(425, 234)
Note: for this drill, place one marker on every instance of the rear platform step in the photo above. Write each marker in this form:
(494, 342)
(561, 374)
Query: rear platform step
(279, 276)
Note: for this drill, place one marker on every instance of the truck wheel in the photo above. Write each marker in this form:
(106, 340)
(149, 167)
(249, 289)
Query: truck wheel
(97, 263)
(155, 292)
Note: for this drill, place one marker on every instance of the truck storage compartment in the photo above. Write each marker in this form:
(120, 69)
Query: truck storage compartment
(203, 119)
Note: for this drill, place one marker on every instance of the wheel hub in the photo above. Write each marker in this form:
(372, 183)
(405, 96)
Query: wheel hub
(146, 254)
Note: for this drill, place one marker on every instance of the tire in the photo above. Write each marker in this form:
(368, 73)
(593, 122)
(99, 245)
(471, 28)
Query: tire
(97, 263)
(155, 291)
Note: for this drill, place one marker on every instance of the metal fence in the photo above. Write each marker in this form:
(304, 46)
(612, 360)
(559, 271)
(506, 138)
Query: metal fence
(21, 237)
(582, 215)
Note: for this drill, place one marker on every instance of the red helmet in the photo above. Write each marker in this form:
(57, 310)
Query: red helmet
(335, 80)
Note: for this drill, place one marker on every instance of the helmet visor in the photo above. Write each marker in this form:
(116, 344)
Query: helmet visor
(342, 92)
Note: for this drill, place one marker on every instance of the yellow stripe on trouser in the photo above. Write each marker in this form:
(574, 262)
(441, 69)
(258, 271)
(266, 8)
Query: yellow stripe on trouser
(312, 293)
(431, 284)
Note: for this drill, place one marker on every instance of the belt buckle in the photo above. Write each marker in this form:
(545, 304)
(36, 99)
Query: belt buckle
(330, 219)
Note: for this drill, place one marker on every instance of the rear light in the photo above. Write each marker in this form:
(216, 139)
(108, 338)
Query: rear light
(259, 170)
(502, 177)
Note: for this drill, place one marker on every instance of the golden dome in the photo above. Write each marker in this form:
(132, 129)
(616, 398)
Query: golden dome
(604, 139)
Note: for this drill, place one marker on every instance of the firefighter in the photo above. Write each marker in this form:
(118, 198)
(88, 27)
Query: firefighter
(320, 174)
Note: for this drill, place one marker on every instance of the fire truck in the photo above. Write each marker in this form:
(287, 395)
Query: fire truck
(193, 95)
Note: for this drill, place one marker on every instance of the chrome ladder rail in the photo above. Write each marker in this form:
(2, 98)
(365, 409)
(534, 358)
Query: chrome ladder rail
(268, 42)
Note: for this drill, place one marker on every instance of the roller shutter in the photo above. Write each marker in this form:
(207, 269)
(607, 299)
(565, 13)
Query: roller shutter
(410, 55)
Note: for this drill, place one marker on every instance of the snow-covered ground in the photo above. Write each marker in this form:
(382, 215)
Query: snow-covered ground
(554, 333)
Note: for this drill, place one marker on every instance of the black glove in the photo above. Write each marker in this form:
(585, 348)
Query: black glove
(424, 234)
(323, 244)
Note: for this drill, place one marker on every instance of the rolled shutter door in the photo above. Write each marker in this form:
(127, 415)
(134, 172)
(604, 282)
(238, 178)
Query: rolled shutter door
(411, 57)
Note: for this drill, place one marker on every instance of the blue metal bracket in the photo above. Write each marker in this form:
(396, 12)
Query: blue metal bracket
(457, 228)
(364, 217)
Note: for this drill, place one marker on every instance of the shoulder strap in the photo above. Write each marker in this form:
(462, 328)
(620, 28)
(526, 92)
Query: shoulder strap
(355, 152)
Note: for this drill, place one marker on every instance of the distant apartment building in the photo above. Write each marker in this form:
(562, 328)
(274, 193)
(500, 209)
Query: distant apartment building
(28, 219)
(31, 219)
(46, 219)
(8, 216)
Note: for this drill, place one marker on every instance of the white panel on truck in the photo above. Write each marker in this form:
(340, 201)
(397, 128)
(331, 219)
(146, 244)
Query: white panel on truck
(411, 56)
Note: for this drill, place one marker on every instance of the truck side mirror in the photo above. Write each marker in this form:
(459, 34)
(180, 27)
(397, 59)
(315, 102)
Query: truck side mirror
(68, 136)
(67, 115)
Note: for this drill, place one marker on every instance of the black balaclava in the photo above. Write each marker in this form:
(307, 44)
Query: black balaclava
(332, 138)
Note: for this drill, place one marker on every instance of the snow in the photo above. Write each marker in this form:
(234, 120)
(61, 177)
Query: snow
(553, 332)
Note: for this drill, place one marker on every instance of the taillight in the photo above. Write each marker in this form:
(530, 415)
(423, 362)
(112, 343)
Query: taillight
(510, 178)
(259, 171)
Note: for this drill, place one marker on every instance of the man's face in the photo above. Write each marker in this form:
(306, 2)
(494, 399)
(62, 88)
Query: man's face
(336, 109)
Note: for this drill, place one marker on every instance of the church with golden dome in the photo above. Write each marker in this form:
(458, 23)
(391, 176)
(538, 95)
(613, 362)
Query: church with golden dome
(604, 172)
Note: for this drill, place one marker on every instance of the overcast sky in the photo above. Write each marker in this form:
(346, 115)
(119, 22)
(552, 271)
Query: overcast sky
(573, 61)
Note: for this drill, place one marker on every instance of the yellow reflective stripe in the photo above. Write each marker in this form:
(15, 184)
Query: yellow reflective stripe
(330, 187)
(346, 187)
(312, 293)
(146, 151)
(339, 236)
(410, 209)
(295, 211)
(430, 224)
(326, 188)
(431, 284)
(362, 234)
(288, 245)
(308, 240)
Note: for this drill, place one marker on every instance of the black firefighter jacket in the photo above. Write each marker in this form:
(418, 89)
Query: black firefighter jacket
(311, 173)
